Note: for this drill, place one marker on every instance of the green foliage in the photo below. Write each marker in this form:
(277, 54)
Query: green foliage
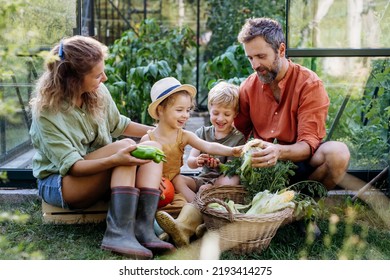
(365, 123)
(8, 109)
(276, 178)
(3, 176)
(224, 58)
(81, 241)
(138, 59)
(22, 250)
(232, 66)
(226, 18)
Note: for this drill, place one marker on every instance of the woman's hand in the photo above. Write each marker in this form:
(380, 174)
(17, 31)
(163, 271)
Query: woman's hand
(123, 157)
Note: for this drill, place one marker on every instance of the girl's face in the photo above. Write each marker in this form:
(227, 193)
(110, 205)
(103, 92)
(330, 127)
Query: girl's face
(222, 117)
(176, 112)
(93, 79)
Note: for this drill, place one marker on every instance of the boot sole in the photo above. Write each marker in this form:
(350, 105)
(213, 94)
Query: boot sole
(158, 246)
(136, 254)
(169, 226)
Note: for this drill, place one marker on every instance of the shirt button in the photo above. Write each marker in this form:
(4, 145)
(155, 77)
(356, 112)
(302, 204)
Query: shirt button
(83, 114)
(276, 113)
(272, 131)
(91, 133)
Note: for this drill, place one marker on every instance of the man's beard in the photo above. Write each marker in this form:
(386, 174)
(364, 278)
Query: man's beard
(272, 72)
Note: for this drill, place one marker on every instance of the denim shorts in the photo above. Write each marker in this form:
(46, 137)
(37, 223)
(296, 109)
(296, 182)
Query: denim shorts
(50, 190)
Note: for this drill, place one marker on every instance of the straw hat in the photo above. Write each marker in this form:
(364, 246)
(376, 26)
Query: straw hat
(164, 88)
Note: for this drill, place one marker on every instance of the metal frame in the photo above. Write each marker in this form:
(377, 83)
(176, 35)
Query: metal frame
(23, 177)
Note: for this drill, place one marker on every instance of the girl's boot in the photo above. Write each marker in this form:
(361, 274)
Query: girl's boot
(144, 228)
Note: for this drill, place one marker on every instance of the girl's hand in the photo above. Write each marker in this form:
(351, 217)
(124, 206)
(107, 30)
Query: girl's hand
(237, 150)
(162, 188)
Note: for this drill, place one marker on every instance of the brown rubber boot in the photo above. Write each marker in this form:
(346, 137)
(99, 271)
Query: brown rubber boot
(119, 236)
(144, 227)
(183, 227)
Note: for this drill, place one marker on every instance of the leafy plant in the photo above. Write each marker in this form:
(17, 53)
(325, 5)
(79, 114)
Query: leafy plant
(275, 179)
(139, 58)
(232, 65)
(22, 250)
(367, 116)
(224, 32)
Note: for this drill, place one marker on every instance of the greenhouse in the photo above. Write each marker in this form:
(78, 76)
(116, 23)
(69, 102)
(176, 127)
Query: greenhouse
(345, 42)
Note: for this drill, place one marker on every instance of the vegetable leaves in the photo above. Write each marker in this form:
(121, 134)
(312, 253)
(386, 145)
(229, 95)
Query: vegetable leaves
(274, 179)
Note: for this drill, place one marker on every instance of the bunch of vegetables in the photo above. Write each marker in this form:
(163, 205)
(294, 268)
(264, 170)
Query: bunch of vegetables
(149, 152)
(275, 179)
(262, 203)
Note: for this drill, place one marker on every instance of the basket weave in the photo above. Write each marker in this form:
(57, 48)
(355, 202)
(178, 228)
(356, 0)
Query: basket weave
(240, 233)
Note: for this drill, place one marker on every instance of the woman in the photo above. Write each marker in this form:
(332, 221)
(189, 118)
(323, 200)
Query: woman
(74, 120)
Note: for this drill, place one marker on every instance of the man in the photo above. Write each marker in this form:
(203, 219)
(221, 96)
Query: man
(286, 102)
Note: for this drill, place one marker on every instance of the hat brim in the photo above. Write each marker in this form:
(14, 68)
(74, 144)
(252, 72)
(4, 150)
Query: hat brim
(152, 109)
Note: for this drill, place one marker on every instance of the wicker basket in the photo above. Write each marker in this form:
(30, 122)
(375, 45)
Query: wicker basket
(240, 233)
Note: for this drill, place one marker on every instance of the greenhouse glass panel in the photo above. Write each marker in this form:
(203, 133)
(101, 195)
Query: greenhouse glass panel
(339, 24)
(28, 32)
(359, 91)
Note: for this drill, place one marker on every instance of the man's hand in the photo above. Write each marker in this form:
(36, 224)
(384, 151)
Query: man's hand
(267, 156)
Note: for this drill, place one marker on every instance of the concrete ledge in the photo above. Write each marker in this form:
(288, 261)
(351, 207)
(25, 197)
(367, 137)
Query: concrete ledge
(18, 195)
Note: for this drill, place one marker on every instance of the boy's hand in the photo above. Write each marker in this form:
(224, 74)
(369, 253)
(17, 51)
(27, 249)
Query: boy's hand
(202, 159)
(206, 159)
(213, 162)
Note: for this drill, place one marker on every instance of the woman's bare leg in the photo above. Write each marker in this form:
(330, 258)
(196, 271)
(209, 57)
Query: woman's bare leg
(82, 192)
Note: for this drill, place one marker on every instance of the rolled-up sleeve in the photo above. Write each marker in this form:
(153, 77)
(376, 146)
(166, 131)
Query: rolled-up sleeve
(312, 114)
(56, 152)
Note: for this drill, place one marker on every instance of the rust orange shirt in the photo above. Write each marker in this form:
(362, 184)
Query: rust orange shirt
(300, 114)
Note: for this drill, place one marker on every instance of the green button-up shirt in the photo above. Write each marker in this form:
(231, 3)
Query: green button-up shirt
(63, 138)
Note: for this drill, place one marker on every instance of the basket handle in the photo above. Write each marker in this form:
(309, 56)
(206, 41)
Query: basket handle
(221, 202)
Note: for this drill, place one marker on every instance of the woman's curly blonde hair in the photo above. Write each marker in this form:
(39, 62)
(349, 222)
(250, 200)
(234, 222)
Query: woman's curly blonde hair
(67, 65)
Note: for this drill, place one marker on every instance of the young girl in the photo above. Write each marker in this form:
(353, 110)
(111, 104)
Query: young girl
(76, 163)
(223, 107)
(171, 105)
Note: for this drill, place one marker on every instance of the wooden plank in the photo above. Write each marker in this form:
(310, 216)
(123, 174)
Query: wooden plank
(94, 214)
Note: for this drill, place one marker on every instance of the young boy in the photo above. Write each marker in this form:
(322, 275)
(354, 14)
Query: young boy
(223, 107)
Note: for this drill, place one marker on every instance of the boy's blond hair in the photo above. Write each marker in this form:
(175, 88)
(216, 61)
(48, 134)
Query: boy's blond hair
(224, 94)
